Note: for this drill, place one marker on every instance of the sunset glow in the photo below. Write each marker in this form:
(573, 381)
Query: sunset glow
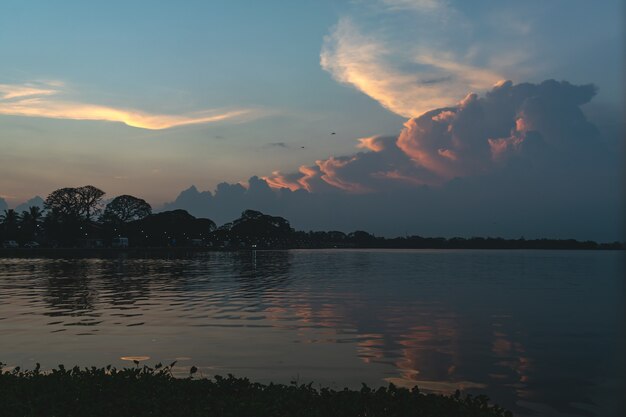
(33, 102)
(251, 205)
(398, 97)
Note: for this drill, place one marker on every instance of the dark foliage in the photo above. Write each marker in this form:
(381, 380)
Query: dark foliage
(9, 224)
(126, 208)
(69, 221)
(81, 202)
(144, 391)
(360, 239)
(256, 229)
(169, 228)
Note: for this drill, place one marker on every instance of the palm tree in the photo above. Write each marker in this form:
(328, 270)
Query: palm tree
(9, 222)
(9, 217)
(30, 220)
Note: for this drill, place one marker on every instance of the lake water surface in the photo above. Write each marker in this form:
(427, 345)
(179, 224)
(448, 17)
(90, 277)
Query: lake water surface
(539, 332)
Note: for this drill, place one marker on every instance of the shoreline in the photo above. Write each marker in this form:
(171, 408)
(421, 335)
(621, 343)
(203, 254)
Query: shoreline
(178, 251)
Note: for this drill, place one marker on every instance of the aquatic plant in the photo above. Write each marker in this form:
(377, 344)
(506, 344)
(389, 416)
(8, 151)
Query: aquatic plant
(154, 391)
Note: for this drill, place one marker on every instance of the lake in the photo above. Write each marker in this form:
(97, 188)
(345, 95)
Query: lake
(539, 332)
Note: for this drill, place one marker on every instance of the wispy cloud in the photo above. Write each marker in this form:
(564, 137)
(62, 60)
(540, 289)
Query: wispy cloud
(280, 180)
(278, 145)
(424, 6)
(10, 91)
(43, 100)
(406, 81)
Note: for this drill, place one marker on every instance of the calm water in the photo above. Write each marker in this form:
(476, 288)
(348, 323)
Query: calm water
(538, 331)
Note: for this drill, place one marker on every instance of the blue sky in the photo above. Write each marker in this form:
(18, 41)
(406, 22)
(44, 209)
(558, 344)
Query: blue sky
(149, 97)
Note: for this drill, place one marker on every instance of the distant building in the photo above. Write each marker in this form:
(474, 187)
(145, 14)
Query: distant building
(90, 243)
(119, 242)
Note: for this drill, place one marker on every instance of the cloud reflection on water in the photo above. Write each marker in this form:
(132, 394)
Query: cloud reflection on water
(441, 320)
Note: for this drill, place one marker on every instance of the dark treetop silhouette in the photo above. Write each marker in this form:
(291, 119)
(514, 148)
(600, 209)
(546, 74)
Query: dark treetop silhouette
(74, 217)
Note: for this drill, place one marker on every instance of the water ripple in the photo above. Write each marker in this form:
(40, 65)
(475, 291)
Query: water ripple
(533, 329)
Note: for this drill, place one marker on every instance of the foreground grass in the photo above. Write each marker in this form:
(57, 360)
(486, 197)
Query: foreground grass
(145, 391)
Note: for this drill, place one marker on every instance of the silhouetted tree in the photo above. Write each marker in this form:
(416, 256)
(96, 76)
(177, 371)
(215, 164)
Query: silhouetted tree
(63, 202)
(169, 228)
(256, 228)
(9, 220)
(362, 239)
(81, 202)
(53, 226)
(89, 199)
(9, 216)
(30, 222)
(70, 213)
(126, 208)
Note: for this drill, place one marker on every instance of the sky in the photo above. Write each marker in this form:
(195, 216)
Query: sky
(394, 116)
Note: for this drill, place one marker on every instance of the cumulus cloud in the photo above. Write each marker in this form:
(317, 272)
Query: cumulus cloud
(380, 165)
(520, 160)
(537, 123)
(43, 101)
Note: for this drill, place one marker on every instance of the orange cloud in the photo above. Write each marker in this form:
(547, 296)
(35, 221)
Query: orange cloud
(475, 137)
(330, 173)
(297, 181)
(8, 91)
(447, 153)
(411, 143)
(309, 173)
(278, 180)
(31, 101)
(444, 116)
(381, 165)
(372, 143)
(446, 143)
(498, 147)
(369, 64)
(399, 176)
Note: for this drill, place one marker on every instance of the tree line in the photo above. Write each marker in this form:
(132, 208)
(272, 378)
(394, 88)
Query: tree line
(77, 217)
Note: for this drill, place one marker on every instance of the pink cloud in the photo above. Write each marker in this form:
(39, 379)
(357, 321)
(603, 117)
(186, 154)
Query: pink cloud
(371, 143)
(331, 168)
(309, 174)
(476, 137)
(278, 180)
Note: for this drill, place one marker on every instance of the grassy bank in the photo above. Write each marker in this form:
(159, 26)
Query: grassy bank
(145, 391)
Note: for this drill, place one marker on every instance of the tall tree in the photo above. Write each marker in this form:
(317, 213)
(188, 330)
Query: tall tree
(53, 225)
(89, 201)
(126, 208)
(70, 213)
(9, 217)
(82, 202)
(63, 202)
(9, 220)
(30, 220)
